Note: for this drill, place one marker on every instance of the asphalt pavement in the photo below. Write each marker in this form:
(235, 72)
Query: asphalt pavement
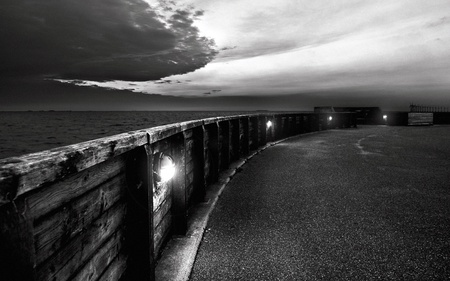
(371, 203)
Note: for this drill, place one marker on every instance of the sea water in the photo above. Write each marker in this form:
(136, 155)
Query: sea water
(33, 131)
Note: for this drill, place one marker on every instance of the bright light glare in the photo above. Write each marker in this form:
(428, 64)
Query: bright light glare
(384, 117)
(330, 118)
(269, 124)
(167, 170)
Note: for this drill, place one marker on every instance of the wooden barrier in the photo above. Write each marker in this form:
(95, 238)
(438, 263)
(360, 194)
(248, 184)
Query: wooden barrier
(93, 211)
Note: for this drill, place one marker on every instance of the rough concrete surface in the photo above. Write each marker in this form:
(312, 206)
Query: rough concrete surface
(371, 203)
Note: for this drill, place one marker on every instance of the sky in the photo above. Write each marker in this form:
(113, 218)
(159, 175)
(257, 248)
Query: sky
(226, 55)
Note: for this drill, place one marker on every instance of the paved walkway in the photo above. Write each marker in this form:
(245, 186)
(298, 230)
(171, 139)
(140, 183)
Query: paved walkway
(371, 203)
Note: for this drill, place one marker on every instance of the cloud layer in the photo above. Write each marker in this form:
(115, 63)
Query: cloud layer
(99, 40)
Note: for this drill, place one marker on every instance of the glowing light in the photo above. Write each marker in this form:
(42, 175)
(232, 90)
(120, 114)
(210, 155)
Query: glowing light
(269, 124)
(384, 117)
(164, 168)
(330, 118)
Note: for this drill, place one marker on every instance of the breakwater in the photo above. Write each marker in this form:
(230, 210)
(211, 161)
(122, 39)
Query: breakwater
(99, 210)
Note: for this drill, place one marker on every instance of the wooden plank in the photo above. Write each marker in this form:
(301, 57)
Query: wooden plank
(57, 229)
(54, 196)
(262, 136)
(179, 198)
(19, 175)
(189, 178)
(102, 258)
(244, 124)
(212, 152)
(160, 194)
(67, 260)
(139, 219)
(190, 166)
(199, 161)
(162, 232)
(224, 145)
(161, 212)
(115, 270)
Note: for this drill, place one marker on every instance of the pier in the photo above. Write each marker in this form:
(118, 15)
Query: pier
(102, 210)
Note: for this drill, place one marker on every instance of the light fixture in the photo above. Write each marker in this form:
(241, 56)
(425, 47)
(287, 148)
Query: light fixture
(269, 124)
(385, 117)
(330, 118)
(163, 167)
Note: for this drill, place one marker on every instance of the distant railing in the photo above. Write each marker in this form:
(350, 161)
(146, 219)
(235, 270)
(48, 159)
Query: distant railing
(427, 109)
(94, 210)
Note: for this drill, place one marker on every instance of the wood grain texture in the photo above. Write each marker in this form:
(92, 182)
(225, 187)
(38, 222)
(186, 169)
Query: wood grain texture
(162, 232)
(46, 199)
(62, 225)
(19, 175)
(101, 259)
(161, 212)
(115, 270)
(76, 252)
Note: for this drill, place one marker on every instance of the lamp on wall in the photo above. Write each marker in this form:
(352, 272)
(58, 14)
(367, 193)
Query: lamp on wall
(163, 167)
(330, 118)
(269, 124)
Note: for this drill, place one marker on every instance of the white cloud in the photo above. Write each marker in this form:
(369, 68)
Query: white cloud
(285, 47)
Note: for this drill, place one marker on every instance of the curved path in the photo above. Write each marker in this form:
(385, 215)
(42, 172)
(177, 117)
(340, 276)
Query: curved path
(359, 204)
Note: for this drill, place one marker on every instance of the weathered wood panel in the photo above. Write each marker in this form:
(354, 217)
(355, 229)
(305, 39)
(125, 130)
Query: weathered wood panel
(198, 171)
(46, 199)
(244, 128)
(211, 153)
(162, 232)
(235, 140)
(75, 253)
(115, 270)
(62, 225)
(262, 129)
(19, 175)
(224, 147)
(94, 268)
(162, 211)
(160, 194)
(179, 194)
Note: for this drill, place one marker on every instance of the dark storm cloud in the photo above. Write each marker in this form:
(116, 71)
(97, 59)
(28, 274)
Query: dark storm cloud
(98, 40)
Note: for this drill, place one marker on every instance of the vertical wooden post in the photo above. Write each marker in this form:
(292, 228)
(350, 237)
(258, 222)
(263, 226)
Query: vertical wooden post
(254, 133)
(212, 130)
(235, 137)
(245, 137)
(278, 127)
(297, 124)
(179, 198)
(225, 145)
(139, 221)
(199, 164)
(262, 121)
(269, 131)
(291, 125)
(284, 122)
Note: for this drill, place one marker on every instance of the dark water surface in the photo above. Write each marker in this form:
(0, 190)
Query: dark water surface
(27, 132)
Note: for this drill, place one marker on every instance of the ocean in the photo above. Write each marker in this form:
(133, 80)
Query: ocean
(34, 131)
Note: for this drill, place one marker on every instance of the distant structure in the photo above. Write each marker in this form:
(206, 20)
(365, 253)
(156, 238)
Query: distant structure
(364, 115)
(426, 108)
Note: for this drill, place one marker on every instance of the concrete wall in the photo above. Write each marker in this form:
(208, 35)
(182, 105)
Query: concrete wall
(93, 211)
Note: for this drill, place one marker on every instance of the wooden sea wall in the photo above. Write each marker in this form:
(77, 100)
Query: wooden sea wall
(92, 211)
(420, 119)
